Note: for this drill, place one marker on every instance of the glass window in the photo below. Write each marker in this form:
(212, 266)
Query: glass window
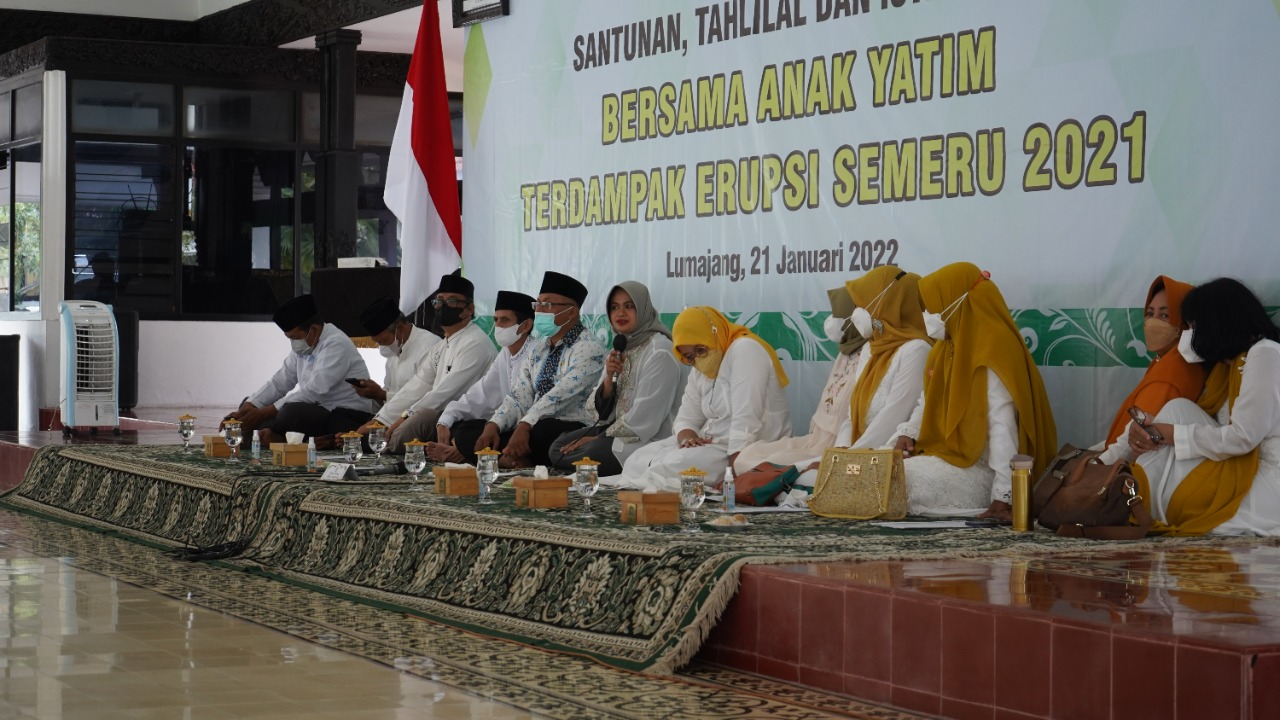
(305, 256)
(311, 117)
(6, 117)
(6, 223)
(124, 235)
(254, 115)
(238, 257)
(25, 162)
(28, 111)
(99, 106)
(376, 117)
(376, 234)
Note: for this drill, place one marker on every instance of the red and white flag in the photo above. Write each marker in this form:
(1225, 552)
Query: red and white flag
(422, 184)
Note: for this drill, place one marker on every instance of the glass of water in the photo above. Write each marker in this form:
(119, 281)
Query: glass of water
(351, 449)
(233, 436)
(378, 441)
(487, 473)
(692, 495)
(586, 480)
(415, 460)
(186, 429)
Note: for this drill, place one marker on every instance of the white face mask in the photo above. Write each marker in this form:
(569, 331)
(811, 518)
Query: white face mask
(392, 350)
(862, 322)
(506, 336)
(1184, 348)
(300, 347)
(934, 326)
(833, 328)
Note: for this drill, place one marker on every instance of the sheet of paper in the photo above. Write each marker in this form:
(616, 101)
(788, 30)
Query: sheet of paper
(752, 509)
(924, 524)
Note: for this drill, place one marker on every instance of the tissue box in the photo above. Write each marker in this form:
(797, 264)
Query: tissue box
(542, 492)
(641, 508)
(361, 262)
(288, 454)
(215, 446)
(456, 481)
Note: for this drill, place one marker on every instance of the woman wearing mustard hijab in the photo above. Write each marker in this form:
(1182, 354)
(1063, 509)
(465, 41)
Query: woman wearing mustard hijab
(733, 398)
(1168, 377)
(833, 403)
(1214, 467)
(983, 401)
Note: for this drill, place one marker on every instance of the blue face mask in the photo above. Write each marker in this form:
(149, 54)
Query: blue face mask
(544, 324)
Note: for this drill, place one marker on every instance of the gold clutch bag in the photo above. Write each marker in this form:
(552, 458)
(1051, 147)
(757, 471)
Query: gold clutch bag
(860, 485)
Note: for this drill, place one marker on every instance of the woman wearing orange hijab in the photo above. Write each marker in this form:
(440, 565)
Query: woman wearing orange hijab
(1169, 376)
(983, 401)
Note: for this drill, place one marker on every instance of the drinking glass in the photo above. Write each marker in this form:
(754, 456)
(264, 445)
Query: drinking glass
(378, 442)
(415, 460)
(487, 473)
(586, 479)
(232, 433)
(351, 448)
(186, 428)
(692, 494)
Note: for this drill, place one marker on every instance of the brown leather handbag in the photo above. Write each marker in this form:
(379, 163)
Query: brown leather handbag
(1080, 496)
(757, 477)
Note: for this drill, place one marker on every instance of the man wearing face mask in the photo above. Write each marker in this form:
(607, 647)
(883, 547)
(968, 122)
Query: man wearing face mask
(450, 367)
(466, 417)
(554, 388)
(405, 346)
(1169, 376)
(309, 393)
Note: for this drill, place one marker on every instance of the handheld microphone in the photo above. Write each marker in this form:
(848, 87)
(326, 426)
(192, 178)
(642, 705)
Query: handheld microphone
(619, 345)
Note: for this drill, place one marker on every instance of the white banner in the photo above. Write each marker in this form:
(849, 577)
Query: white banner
(751, 154)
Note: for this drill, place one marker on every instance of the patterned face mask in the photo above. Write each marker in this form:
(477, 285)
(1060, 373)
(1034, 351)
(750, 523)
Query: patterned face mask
(709, 364)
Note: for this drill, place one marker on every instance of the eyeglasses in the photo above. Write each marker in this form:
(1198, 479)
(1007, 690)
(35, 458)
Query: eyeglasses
(1143, 420)
(699, 352)
(546, 305)
(438, 303)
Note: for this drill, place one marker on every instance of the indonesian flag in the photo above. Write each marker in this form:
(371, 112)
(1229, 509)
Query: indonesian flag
(422, 184)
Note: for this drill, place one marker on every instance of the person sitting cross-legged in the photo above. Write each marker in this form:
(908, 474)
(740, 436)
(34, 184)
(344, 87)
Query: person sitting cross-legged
(309, 393)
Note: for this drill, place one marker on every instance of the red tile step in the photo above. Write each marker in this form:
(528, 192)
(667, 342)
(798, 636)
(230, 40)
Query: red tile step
(1187, 632)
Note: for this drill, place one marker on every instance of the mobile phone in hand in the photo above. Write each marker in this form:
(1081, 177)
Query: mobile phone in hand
(355, 381)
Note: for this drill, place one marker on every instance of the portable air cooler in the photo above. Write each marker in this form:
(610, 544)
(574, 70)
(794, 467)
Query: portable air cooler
(90, 367)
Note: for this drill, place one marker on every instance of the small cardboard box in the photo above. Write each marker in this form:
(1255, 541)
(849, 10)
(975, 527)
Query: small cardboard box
(215, 446)
(456, 481)
(542, 492)
(288, 454)
(641, 508)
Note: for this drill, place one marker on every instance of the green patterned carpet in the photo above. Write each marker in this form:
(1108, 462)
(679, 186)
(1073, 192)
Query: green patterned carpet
(630, 597)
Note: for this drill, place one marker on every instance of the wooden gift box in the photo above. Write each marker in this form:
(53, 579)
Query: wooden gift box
(456, 481)
(215, 446)
(542, 492)
(641, 508)
(288, 454)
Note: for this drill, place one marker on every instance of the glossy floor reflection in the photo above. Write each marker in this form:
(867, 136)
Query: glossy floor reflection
(1227, 595)
(75, 644)
(96, 626)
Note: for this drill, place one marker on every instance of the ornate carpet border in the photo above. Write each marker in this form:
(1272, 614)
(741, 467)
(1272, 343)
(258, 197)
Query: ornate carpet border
(632, 599)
